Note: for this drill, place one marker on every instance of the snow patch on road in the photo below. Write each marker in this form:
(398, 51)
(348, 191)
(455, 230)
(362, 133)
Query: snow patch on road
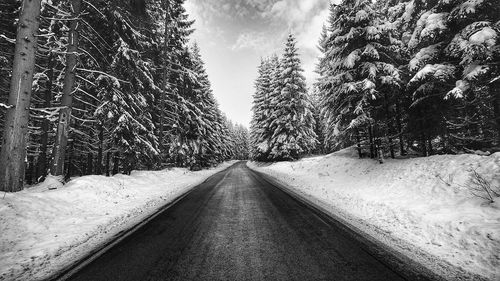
(423, 207)
(43, 230)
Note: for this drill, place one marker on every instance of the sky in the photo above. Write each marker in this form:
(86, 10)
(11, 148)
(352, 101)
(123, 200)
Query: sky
(235, 34)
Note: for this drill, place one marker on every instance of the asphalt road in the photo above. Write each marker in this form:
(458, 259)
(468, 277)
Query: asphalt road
(238, 226)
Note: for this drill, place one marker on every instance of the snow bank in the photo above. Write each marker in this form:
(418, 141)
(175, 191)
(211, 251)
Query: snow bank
(44, 230)
(421, 207)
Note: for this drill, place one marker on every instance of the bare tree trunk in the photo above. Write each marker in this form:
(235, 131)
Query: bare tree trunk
(380, 152)
(44, 139)
(98, 167)
(424, 144)
(108, 158)
(30, 173)
(116, 163)
(90, 167)
(61, 141)
(12, 158)
(389, 125)
(495, 92)
(70, 165)
(370, 135)
(358, 142)
(402, 151)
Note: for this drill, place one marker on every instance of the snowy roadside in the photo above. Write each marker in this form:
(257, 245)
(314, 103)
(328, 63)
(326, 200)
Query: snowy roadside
(42, 231)
(421, 207)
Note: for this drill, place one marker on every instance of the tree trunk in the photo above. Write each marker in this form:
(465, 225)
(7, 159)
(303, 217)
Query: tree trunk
(90, 167)
(495, 92)
(380, 153)
(108, 160)
(370, 135)
(402, 151)
(423, 143)
(70, 165)
(61, 142)
(44, 138)
(30, 173)
(12, 157)
(358, 141)
(389, 125)
(116, 163)
(98, 167)
(165, 75)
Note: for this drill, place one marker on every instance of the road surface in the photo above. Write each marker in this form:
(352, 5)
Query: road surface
(238, 226)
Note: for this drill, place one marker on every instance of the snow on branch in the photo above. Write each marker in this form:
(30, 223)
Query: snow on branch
(3, 105)
(10, 40)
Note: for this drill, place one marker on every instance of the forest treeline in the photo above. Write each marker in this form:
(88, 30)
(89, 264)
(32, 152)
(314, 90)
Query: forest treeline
(417, 77)
(102, 87)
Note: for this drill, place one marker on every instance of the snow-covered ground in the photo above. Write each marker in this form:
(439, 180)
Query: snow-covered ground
(420, 207)
(42, 230)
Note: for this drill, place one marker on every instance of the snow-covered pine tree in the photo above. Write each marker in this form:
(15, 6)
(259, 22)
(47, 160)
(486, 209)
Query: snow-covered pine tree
(225, 147)
(129, 89)
(476, 44)
(448, 57)
(200, 115)
(388, 71)
(292, 125)
(64, 123)
(48, 81)
(270, 112)
(179, 30)
(356, 67)
(317, 93)
(261, 108)
(241, 144)
(323, 47)
(319, 127)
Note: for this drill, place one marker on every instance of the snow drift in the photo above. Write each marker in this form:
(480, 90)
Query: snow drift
(421, 207)
(44, 230)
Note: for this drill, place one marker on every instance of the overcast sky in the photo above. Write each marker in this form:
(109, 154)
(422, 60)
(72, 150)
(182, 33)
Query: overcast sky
(234, 34)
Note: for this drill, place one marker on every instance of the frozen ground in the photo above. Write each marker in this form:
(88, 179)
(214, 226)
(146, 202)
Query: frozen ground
(42, 230)
(420, 207)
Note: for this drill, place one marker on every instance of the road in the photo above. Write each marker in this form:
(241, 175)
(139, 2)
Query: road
(238, 226)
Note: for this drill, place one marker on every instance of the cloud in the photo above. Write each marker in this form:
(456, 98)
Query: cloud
(305, 20)
(250, 40)
(229, 9)
(261, 26)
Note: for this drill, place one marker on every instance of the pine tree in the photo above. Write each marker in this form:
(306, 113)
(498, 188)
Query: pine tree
(422, 73)
(319, 127)
(293, 123)
(48, 81)
(262, 109)
(445, 54)
(60, 146)
(348, 83)
(359, 77)
(476, 43)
